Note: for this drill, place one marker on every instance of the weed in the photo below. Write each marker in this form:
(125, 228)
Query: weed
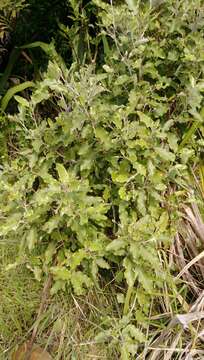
(96, 176)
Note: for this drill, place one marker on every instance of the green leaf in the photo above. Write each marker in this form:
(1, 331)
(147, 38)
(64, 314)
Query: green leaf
(50, 251)
(129, 273)
(14, 55)
(37, 273)
(141, 169)
(22, 101)
(132, 4)
(146, 281)
(146, 120)
(79, 280)
(141, 202)
(163, 222)
(75, 259)
(165, 154)
(108, 69)
(32, 238)
(121, 177)
(116, 245)
(12, 91)
(173, 140)
(61, 273)
(125, 355)
(57, 286)
(51, 224)
(135, 333)
(103, 136)
(120, 298)
(62, 172)
(102, 263)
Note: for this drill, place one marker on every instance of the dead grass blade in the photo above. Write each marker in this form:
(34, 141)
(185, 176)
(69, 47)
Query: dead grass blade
(192, 262)
(183, 337)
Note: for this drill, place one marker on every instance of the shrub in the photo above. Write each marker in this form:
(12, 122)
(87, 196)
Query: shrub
(102, 152)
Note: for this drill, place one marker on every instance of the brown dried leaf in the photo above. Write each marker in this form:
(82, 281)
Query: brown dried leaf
(37, 353)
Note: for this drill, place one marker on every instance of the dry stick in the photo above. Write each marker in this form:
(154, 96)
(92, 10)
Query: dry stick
(44, 297)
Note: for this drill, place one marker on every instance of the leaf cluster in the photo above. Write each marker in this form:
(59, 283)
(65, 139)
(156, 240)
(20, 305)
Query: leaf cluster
(95, 162)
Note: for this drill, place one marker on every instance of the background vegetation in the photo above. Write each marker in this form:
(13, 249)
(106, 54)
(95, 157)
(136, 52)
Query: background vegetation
(102, 178)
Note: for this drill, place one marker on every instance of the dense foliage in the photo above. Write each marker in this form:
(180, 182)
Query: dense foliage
(95, 161)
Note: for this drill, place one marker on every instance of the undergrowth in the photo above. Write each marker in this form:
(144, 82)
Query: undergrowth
(68, 324)
(97, 159)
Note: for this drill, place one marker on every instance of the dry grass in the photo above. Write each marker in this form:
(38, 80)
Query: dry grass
(183, 336)
(67, 325)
